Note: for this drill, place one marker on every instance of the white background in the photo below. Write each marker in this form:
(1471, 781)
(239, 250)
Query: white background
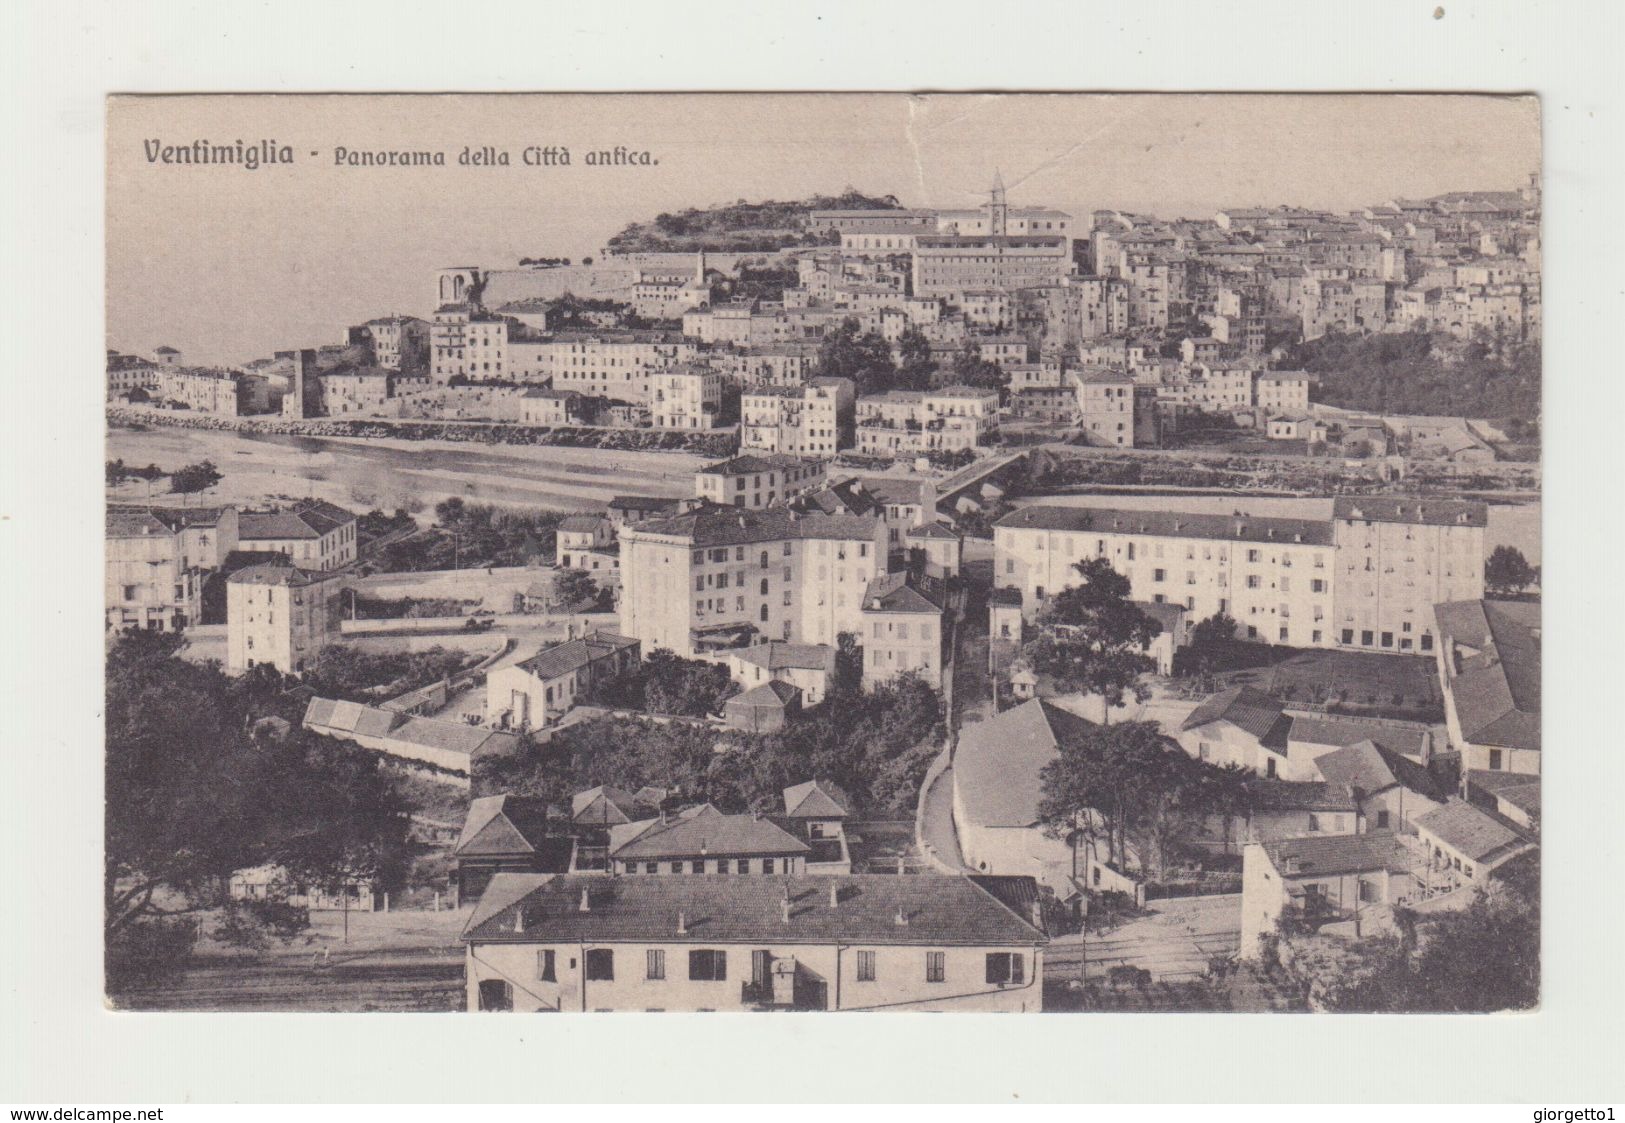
(57, 1045)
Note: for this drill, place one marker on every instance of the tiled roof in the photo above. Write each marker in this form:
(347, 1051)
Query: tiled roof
(1407, 740)
(572, 655)
(643, 503)
(1519, 789)
(889, 489)
(753, 462)
(775, 695)
(1496, 680)
(1165, 613)
(721, 909)
(312, 518)
(1304, 795)
(604, 804)
(1369, 768)
(729, 526)
(503, 824)
(325, 715)
(997, 762)
(1471, 831)
(132, 522)
(816, 799)
(272, 574)
(1242, 706)
(1168, 524)
(1417, 512)
(777, 655)
(897, 592)
(934, 530)
(707, 833)
(1323, 855)
(581, 522)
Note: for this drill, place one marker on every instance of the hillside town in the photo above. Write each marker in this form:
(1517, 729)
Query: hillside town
(1006, 610)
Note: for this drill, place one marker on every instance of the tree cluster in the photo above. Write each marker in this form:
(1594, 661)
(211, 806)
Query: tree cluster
(356, 674)
(1507, 572)
(1423, 373)
(192, 478)
(1128, 790)
(875, 745)
(192, 794)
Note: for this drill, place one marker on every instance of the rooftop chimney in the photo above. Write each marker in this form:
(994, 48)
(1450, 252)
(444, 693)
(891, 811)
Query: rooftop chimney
(784, 908)
(519, 919)
(901, 919)
(682, 924)
(900, 865)
(834, 896)
(586, 903)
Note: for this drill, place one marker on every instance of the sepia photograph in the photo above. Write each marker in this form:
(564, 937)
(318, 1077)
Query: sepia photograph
(969, 553)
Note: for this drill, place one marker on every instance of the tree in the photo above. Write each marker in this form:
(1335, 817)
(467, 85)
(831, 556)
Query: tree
(576, 587)
(1508, 572)
(686, 687)
(192, 795)
(864, 357)
(1127, 784)
(914, 363)
(1092, 638)
(1484, 958)
(194, 478)
(970, 369)
(1215, 631)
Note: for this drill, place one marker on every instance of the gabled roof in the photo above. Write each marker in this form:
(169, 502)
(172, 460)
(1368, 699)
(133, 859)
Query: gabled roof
(603, 804)
(934, 530)
(581, 522)
(997, 762)
(728, 526)
(1406, 740)
(339, 718)
(1323, 855)
(1496, 677)
(1416, 512)
(898, 592)
(1473, 832)
(1516, 788)
(892, 490)
(773, 694)
(311, 518)
(707, 833)
(816, 799)
(1301, 795)
(861, 909)
(1247, 709)
(1369, 768)
(751, 462)
(503, 824)
(572, 655)
(776, 655)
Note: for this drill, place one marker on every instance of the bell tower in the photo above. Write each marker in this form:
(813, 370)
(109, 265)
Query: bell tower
(998, 211)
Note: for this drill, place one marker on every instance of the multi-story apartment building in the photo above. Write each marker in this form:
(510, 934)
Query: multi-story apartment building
(902, 629)
(313, 533)
(784, 364)
(1274, 577)
(1282, 391)
(157, 560)
(809, 420)
(354, 391)
(395, 341)
(466, 341)
(719, 577)
(685, 397)
(755, 481)
(913, 422)
(615, 365)
(203, 389)
(544, 942)
(948, 265)
(281, 616)
(1396, 559)
(1106, 407)
(129, 372)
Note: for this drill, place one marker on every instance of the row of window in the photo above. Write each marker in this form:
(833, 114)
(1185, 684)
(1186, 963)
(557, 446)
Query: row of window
(719, 865)
(711, 965)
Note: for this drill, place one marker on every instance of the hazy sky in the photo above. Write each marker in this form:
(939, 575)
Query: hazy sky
(228, 264)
